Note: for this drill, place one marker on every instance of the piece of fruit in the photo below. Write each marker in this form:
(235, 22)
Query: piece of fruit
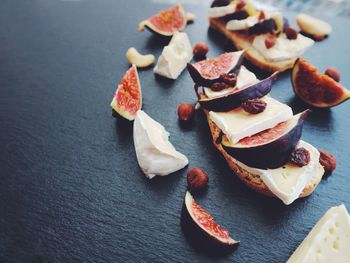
(208, 71)
(166, 22)
(140, 61)
(254, 106)
(313, 26)
(200, 51)
(218, 3)
(128, 97)
(328, 161)
(316, 89)
(197, 179)
(270, 148)
(185, 111)
(203, 226)
(263, 27)
(234, 99)
(291, 33)
(333, 73)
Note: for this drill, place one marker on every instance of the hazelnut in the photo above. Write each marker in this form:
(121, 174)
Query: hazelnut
(270, 41)
(333, 73)
(328, 162)
(196, 179)
(185, 111)
(291, 33)
(200, 51)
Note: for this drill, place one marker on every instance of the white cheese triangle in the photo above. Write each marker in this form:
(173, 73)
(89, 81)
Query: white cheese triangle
(155, 154)
(328, 241)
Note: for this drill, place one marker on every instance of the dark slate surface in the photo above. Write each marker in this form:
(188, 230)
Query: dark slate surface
(70, 187)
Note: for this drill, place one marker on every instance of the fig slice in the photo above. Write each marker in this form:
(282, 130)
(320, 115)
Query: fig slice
(208, 71)
(166, 22)
(204, 227)
(270, 148)
(128, 96)
(232, 100)
(316, 89)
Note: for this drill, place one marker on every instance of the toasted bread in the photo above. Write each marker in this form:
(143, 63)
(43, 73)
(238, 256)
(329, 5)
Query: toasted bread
(252, 180)
(242, 41)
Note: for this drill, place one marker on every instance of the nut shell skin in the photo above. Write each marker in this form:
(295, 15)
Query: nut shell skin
(197, 179)
(185, 111)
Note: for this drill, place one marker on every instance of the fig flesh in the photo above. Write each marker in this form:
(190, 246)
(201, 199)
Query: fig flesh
(208, 71)
(203, 226)
(166, 22)
(316, 89)
(234, 99)
(128, 97)
(270, 148)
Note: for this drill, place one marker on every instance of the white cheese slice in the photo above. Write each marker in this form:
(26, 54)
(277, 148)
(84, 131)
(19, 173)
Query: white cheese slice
(155, 154)
(328, 241)
(245, 78)
(242, 24)
(175, 56)
(287, 182)
(221, 11)
(284, 48)
(237, 124)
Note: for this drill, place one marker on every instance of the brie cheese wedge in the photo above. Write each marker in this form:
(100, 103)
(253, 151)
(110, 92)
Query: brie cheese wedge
(328, 241)
(245, 79)
(175, 56)
(284, 48)
(155, 154)
(237, 124)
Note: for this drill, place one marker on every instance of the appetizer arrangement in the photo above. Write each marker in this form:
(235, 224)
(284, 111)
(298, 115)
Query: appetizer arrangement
(259, 137)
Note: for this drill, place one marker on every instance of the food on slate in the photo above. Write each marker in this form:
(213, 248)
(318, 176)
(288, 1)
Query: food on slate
(155, 154)
(333, 73)
(270, 43)
(174, 56)
(204, 226)
(317, 89)
(140, 61)
(200, 51)
(128, 96)
(328, 241)
(190, 17)
(197, 179)
(263, 149)
(314, 27)
(185, 111)
(166, 22)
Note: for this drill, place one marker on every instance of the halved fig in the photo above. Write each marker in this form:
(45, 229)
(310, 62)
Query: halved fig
(270, 148)
(316, 89)
(232, 100)
(208, 71)
(263, 27)
(204, 227)
(127, 99)
(166, 22)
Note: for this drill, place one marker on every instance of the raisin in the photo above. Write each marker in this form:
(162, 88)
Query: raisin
(218, 86)
(254, 106)
(229, 79)
(291, 33)
(262, 15)
(300, 157)
(333, 73)
(200, 51)
(240, 5)
(270, 41)
(328, 162)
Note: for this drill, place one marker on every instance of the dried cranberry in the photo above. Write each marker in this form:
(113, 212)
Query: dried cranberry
(300, 157)
(229, 79)
(328, 162)
(200, 51)
(240, 5)
(270, 41)
(262, 15)
(291, 33)
(218, 86)
(254, 106)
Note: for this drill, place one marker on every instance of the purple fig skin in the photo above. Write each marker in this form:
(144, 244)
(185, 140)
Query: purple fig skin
(234, 99)
(218, 3)
(273, 154)
(266, 26)
(239, 15)
(207, 82)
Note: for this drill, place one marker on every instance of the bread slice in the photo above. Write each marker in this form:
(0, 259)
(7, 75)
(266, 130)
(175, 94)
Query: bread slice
(242, 41)
(252, 180)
